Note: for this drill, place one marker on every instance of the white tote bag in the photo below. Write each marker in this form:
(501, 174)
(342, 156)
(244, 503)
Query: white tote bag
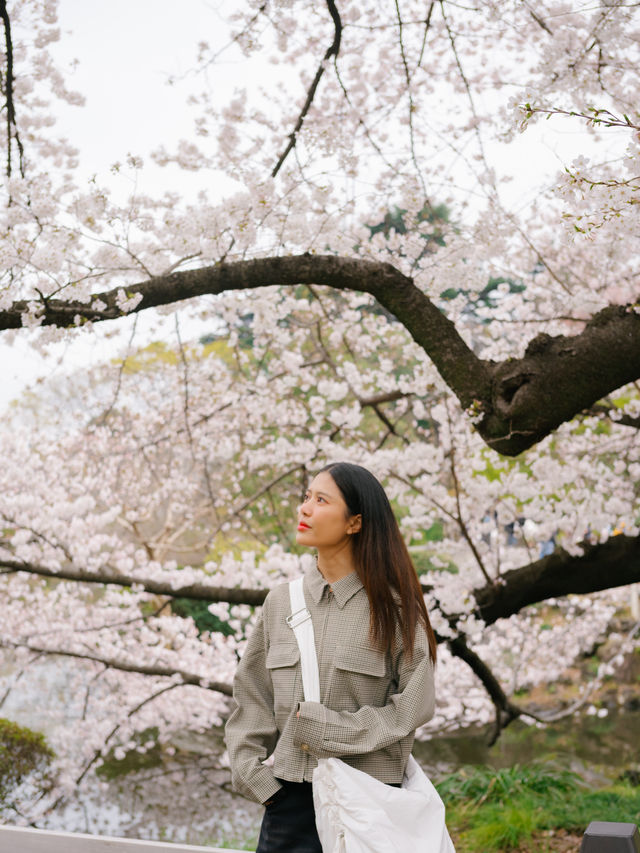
(356, 813)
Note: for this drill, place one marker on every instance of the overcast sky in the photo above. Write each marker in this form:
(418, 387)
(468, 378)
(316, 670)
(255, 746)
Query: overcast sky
(126, 52)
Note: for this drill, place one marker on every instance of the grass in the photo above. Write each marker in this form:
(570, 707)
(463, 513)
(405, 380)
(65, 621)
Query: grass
(505, 810)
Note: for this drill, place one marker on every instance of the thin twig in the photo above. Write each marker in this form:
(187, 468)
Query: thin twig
(332, 50)
(107, 412)
(412, 107)
(461, 522)
(138, 669)
(12, 128)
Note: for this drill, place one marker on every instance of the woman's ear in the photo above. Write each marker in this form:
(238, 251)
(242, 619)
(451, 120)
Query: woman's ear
(355, 525)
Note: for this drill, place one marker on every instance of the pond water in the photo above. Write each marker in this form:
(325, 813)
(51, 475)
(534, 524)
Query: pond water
(587, 743)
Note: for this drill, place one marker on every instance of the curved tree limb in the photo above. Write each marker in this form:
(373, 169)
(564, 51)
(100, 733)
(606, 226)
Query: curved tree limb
(506, 711)
(521, 400)
(558, 377)
(467, 375)
(603, 566)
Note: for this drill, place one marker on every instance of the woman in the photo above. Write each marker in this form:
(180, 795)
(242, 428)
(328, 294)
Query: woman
(375, 648)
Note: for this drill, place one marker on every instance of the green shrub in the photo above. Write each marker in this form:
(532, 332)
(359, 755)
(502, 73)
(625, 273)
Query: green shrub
(24, 756)
(480, 784)
(502, 828)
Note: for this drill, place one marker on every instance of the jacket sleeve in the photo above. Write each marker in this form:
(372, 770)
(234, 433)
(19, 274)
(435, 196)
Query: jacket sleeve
(326, 733)
(251, 733)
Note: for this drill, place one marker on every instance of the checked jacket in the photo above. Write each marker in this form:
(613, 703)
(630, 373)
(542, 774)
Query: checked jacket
(371, 701)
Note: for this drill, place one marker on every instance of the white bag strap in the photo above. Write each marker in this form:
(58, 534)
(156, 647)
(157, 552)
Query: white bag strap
(300, 622)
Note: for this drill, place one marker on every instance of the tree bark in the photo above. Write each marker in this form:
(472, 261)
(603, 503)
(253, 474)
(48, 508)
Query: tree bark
(558, 377)
(611, 564)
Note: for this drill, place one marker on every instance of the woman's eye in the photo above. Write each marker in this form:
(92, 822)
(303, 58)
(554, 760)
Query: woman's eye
(320, 498)
(305, 498)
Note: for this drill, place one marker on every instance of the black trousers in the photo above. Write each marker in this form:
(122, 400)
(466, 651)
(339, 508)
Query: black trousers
(289, 824)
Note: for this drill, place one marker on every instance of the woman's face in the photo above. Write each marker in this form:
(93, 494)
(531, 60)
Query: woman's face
(323, 519)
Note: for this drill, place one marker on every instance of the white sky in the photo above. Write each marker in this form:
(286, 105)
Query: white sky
(126, 51)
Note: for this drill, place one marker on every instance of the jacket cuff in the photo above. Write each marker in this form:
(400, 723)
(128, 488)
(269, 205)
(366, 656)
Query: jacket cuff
(262, 787)
(279, 795)
(310, 726)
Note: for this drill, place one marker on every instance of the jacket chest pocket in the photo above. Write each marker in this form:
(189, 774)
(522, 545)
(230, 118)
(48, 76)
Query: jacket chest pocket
(359, 678)
(282, 663)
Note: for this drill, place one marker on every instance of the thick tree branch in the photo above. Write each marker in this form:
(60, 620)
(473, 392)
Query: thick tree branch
(604, 566)
(611, 564)
(466, 374)
(506, 711)
(558, 377)
(521, 400)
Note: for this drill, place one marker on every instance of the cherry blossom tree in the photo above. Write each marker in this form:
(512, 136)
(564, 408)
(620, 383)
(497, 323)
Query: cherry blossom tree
(486, 374)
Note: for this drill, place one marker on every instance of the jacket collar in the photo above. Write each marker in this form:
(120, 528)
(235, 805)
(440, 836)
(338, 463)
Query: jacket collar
(343, 590)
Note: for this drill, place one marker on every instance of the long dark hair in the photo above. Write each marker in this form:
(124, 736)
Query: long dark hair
(382, 561)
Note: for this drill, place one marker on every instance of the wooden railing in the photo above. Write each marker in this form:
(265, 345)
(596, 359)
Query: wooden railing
(15, 839)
